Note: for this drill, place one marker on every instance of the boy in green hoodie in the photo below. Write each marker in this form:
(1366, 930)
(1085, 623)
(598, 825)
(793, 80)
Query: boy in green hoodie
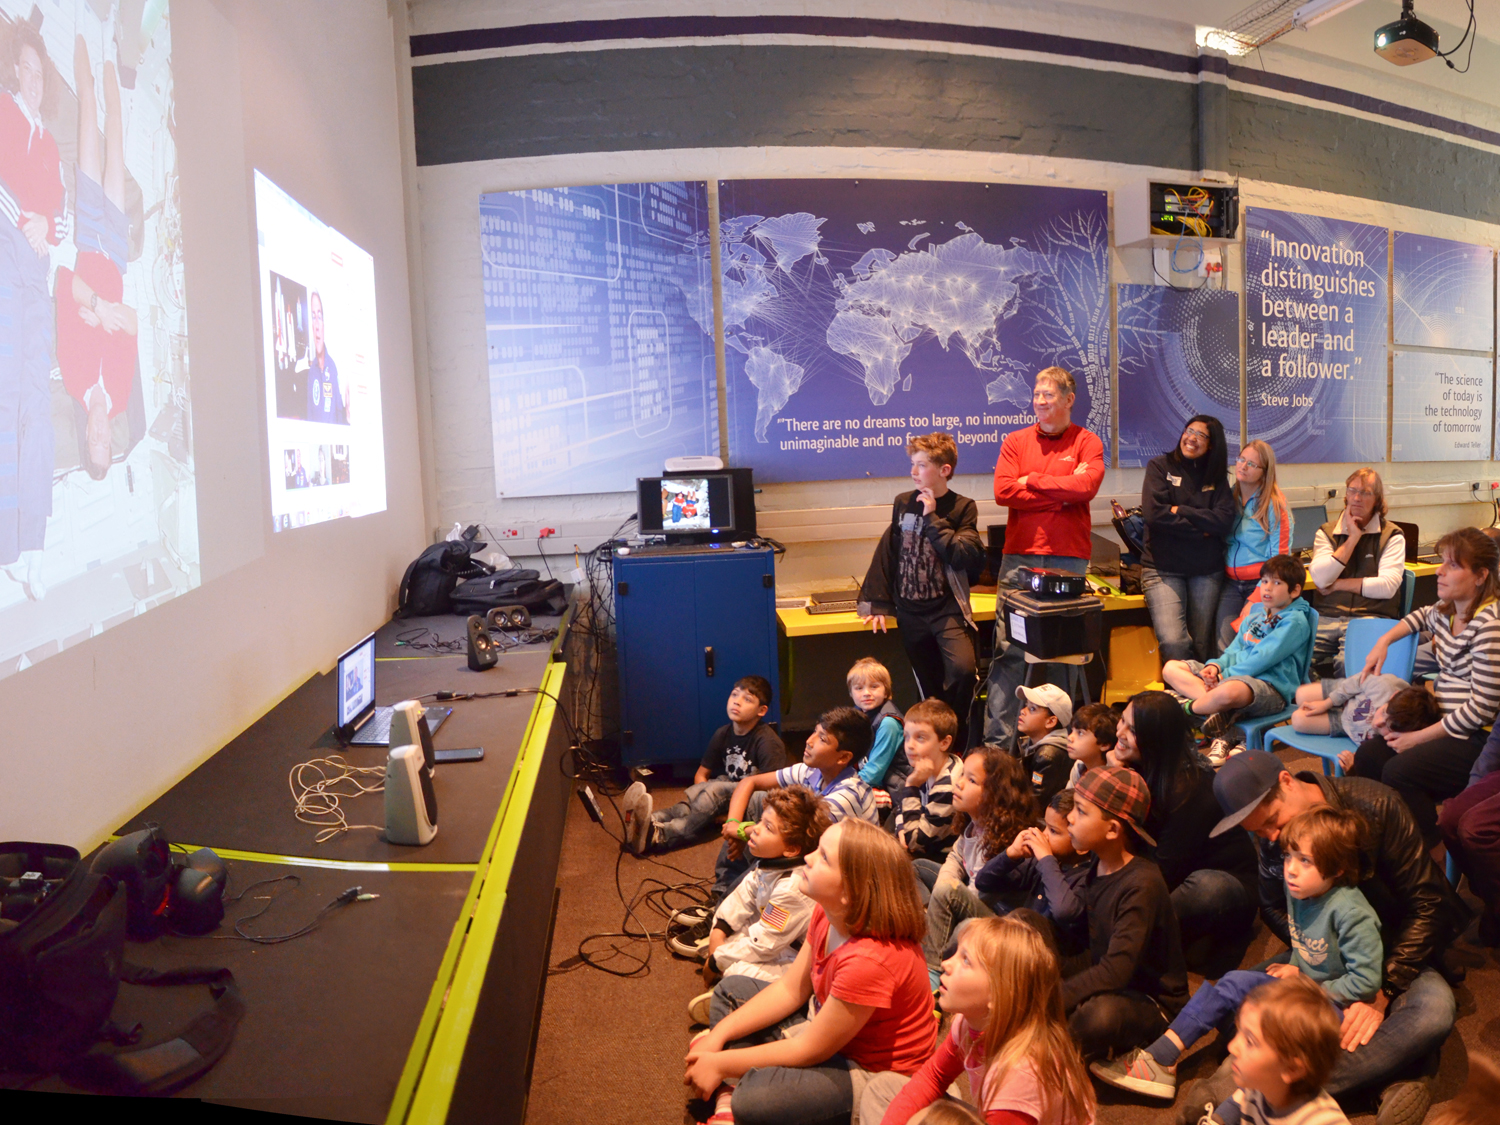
(1267, 661)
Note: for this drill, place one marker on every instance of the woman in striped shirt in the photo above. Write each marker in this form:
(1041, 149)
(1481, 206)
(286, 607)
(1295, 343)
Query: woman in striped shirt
(1262, 530)
(1428, 765)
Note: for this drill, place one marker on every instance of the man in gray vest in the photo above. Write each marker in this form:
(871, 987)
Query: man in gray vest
(1358, 564)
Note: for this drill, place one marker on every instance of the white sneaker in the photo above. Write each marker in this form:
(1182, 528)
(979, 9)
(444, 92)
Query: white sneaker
(636, 803)
(698, 1007)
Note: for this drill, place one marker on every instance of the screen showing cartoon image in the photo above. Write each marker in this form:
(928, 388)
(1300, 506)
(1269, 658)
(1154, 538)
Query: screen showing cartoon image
(322, 366)
(684, 505)
(357, 683)
(98, 502)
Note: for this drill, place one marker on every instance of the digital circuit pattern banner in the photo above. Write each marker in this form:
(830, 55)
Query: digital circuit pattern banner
(1443, 293)
(860, 313)
(1179, 356)
(598, 309)
(1441, 407)
(1315, 317)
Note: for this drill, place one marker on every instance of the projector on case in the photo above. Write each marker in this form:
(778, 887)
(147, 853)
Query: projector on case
(694, 464)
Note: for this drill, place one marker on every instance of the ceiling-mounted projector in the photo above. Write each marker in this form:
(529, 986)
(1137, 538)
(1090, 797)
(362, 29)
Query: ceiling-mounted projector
(1406, 41)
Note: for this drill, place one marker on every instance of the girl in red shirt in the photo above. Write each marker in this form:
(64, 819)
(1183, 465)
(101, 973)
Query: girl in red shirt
(1003, 988)
(862, 971)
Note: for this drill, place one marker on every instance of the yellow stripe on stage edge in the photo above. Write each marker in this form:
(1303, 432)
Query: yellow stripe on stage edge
(425, 1090)
(333, 864)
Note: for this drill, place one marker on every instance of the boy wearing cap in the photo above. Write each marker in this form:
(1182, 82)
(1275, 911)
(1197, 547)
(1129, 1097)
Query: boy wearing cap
(1042, 742)
(1419, 911)
(1136, 980)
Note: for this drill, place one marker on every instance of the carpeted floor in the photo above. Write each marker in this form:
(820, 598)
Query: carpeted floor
(610, 1049)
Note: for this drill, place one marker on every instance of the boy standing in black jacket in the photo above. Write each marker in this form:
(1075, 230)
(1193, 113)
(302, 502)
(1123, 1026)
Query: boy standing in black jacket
(919, 575)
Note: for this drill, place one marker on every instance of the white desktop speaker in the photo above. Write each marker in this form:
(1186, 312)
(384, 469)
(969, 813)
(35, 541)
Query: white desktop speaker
(409, 728)
(698, 464)
(410, 804)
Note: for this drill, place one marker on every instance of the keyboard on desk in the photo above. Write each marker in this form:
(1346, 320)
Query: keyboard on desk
(680, 550)
(833, 607)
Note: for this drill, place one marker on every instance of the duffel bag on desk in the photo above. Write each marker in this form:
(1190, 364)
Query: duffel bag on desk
(62, 958)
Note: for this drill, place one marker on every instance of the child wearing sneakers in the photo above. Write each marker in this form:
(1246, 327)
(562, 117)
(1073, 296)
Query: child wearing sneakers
(1283, 1051)
(924, 820)
(1335, 944)
(743, 746)
(1042, 738)
(1260, 671)
(1136, 979)
(1090, 739)
(885, 766)
(757, 930)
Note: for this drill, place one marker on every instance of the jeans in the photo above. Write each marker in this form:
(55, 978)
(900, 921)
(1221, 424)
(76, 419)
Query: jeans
(1217, 916)
(1213, 1004)
(1423, 775)
(950, 904)
(1416, 1022)
(1232, 598)
(1328, 647)
(688, 817)
(1008, 668)
(1470, 826)
(941, 649)
(728, 872)
(1182, 611)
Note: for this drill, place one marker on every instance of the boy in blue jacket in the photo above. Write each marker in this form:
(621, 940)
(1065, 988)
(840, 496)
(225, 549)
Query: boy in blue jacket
(1260, 671)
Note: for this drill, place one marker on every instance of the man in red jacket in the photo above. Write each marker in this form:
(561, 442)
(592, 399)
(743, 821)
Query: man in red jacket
(1046, 476)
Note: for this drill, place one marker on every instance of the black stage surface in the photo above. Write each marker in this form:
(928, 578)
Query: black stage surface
(240, 799)
(330, 1017)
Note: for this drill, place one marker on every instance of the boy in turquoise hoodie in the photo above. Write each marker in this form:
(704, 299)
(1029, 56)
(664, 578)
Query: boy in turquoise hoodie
(1335, 943)
(1262, 668)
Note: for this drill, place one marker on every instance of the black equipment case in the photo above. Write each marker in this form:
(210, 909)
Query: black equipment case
(1049, 627)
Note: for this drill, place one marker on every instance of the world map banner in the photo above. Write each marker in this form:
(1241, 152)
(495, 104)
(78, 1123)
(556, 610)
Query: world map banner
(1179, 356)
(860, 313)
(1315, 318)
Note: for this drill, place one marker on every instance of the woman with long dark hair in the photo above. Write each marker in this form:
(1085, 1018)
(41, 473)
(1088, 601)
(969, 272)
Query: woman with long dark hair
(1188, 509)
(1212, 879)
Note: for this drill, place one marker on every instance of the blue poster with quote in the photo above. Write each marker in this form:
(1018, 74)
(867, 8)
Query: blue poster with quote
(1315, 318)
(1443, 293)
(1179, 356)
(598, 313)
(858, 313)
(1441, 406)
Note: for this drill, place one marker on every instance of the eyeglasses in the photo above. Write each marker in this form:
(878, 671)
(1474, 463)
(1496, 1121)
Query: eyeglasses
(1196, 435)
(1249, 464)
(1358, 494)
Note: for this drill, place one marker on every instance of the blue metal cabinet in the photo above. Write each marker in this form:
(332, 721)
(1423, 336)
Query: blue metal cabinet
(688, 627)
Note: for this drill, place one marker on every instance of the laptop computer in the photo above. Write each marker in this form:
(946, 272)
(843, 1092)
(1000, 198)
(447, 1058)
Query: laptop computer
(360, 722)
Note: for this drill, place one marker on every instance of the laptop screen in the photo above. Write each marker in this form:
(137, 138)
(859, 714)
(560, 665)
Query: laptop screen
(356, 673)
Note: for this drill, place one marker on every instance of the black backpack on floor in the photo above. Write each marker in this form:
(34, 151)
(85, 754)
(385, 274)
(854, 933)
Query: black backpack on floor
(427, 587)
(62, 957)
(509, 587)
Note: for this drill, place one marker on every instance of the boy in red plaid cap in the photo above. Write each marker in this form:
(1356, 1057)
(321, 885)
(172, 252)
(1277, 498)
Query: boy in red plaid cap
(1136, 981)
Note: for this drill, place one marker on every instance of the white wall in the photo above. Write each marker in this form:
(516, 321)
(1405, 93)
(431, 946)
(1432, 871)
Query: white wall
(308, 93)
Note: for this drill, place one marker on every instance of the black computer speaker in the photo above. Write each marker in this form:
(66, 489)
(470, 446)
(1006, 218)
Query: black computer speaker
(509, 617)
(483, 651)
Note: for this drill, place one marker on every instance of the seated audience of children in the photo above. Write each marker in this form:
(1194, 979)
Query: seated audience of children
(1042, 738)
(1041, 871)
(885, 767)
(1090, 739)
(924, 819)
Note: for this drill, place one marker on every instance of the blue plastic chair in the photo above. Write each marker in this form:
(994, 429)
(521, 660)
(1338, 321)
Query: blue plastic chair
(1254, 729)
(1400, 659)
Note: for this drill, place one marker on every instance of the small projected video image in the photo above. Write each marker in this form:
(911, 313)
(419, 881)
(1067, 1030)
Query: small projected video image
(289, 345)
(684, 505)
(340, 464)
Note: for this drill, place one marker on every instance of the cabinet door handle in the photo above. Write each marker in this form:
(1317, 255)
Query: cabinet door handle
(708, 661)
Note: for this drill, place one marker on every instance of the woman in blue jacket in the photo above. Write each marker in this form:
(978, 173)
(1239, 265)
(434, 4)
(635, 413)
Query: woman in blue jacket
(1262, 531)
(1188, 508)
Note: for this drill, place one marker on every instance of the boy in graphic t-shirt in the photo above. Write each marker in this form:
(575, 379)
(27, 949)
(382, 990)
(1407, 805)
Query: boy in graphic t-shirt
(743, 746)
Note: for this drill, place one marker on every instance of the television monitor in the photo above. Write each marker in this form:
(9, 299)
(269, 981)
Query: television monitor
(700, 507)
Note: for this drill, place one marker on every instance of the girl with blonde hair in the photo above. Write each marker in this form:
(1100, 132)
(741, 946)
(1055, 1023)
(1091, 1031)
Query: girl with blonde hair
(1262, 530)
(861, 967)
(1003, 988)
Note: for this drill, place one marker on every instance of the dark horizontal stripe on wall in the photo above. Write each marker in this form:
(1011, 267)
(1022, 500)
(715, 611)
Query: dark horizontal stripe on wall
(1310, 147)
(707, 27)
(682, 27)
(745, 96)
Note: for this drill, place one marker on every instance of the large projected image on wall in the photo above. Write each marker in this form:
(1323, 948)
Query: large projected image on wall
(322, 366)
(98, 517)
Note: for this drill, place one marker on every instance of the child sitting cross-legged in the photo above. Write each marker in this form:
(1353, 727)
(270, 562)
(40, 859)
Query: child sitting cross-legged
(885, 767)
(1003, 989)
(924, 818)
(1090, 739)
(767, 1061)
(1041, 866)
(757, 930)
(993, 796)
(1335, 944)
(1266, 662)
(1284, 1049)
(1042, 738)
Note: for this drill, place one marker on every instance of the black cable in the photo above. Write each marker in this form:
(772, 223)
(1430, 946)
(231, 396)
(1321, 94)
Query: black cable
(545, 561)
(352, 894)
(1471, 33)
(418, 638)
